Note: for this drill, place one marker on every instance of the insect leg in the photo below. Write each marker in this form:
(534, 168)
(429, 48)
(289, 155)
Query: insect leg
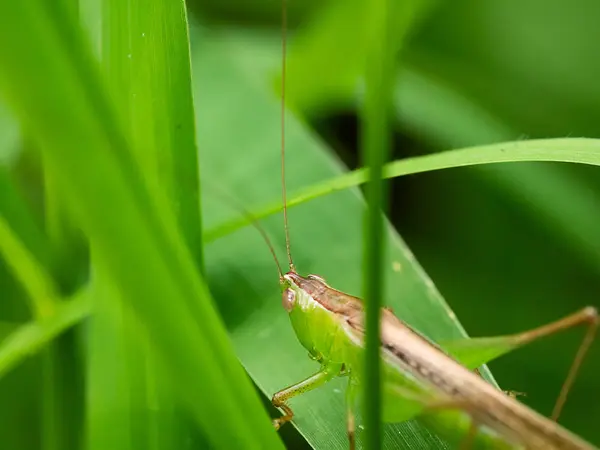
(510, 393)
(587, 316)
(351, 391)
(279, 400)
(467, 443)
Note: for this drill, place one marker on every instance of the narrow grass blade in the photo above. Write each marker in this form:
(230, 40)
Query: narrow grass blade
(21, 219)
(27, 339)
(375, 143)
(145, 50)
(571, 150)
(33, 277)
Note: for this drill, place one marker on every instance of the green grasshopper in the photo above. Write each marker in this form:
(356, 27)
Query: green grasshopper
(419, 376)
(439, 386)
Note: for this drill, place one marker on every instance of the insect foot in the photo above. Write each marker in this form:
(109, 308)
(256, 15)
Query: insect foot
(515, 394)
(288, 413)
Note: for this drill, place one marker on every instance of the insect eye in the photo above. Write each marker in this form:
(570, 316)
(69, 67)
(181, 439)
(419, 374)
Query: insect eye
(288, 299)
(316, 278)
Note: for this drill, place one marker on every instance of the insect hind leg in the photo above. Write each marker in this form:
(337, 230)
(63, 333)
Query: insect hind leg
(587, 316)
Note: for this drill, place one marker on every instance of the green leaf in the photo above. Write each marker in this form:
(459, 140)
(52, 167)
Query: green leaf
(146, 57)
(238, 128)
(145, 51)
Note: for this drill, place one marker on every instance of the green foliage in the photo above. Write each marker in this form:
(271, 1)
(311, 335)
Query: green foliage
(123, 198)
(134, 323)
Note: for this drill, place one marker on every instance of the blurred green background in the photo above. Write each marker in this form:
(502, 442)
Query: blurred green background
(509, 247)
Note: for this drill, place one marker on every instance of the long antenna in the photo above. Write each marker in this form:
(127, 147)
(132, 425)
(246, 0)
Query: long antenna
(283, 76)
(263, 233)
(233, 202)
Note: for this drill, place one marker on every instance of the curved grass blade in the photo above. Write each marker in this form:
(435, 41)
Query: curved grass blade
(570, 150)
(19, 218)
(30, 337)
(38, 284)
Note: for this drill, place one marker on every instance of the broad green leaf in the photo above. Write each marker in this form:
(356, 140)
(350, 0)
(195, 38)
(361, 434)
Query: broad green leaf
(238, 123)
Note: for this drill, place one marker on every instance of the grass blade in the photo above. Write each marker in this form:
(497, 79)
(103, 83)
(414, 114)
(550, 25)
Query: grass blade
(571, 150)
(33, 277)
(375, 144)
(20, 219)
(30, 337)
(146, 54)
